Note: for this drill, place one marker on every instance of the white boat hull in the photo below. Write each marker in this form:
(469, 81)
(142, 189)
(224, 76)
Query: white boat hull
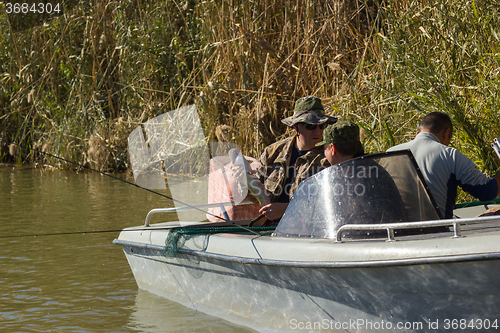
(411, 287)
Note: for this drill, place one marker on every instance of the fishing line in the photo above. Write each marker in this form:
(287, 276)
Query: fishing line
(126, 181)
(83, 232)
(119, 230)
(70, 233)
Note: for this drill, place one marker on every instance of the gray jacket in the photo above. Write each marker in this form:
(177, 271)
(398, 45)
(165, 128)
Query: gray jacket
(444, 168)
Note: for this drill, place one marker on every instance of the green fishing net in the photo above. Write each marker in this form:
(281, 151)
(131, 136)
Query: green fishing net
(177, 237)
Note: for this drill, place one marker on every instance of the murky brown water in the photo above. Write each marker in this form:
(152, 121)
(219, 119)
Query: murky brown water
(78, 282)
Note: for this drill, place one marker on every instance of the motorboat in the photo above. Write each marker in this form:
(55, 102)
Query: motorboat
(361, 247)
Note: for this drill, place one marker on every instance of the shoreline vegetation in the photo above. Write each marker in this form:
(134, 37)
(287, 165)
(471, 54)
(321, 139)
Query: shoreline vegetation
(75, 86)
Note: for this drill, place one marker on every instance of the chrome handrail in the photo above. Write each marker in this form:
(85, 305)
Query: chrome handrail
(456, 223)
(176, 209)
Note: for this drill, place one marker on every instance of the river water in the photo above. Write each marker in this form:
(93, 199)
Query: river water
(79, 281)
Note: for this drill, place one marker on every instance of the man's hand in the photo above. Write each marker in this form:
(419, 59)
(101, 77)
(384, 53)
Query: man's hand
(274, 211)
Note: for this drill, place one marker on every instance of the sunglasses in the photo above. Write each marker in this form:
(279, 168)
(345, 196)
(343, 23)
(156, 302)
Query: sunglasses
(311, 127)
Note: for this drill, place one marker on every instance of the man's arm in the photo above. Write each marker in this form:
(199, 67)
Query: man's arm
(496, 148)
(497, 178)
(473, 181)
(261, 171)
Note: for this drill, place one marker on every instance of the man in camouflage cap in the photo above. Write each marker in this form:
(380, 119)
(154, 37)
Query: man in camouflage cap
(287, 162)
(341, 142)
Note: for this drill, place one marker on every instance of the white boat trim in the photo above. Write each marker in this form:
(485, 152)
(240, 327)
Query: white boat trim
(456, 223)
(259, 259)
(319, 264)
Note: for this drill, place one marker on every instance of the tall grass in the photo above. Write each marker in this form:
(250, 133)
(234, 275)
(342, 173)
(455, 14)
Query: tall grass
(76, 86)
(430, 56)
(445, 57)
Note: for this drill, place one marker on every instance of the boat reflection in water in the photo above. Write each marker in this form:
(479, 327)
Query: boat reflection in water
(155, 314)
(361, 248)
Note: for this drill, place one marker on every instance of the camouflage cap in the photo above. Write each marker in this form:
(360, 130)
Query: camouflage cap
(341, 132)
(308, 110)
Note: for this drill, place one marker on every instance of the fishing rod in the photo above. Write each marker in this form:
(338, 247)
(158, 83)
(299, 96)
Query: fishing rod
(126, 181)
(106, 231)
(67, 233)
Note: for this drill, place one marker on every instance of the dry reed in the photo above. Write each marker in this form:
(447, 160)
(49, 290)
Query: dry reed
(83, 81)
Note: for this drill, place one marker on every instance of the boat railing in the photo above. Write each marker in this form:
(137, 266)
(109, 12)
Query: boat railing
(390, 227)
(221, 205)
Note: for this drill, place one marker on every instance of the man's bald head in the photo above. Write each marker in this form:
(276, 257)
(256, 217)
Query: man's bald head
(439, 124)
(435, 122)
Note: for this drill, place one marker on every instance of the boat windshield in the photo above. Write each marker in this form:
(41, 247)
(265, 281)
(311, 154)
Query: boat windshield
(372, 189)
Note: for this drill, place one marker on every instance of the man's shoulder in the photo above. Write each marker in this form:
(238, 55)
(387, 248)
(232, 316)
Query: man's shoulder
(433, 151)
(275, 149)
(422, 142)
(315, 153)
(277, 146)
(401, 146)
(412, 145)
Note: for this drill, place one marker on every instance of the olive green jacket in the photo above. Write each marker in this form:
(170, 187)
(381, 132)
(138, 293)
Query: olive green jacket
(275, 163)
